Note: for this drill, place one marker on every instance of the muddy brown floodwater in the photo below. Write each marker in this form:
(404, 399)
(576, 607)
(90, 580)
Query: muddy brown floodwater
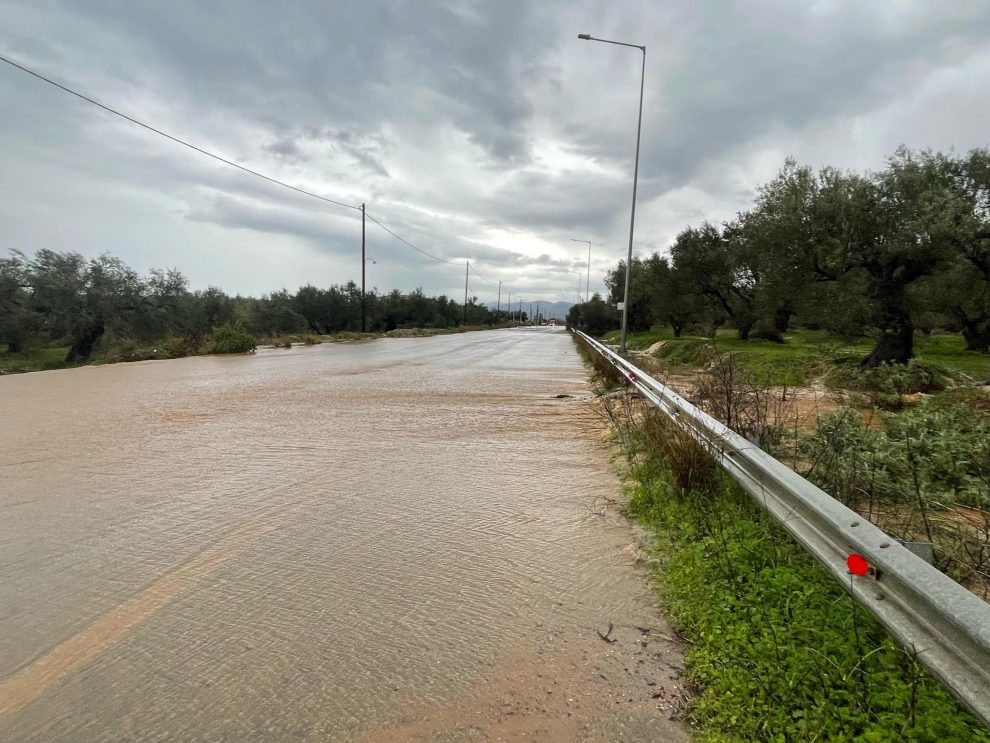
(386, 541)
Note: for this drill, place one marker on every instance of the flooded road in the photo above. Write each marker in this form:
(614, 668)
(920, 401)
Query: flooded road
(392, 540)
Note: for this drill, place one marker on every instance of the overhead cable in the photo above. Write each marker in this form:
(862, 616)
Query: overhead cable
(225, 161)
(483, 278)
(417, 249)
(150, 128)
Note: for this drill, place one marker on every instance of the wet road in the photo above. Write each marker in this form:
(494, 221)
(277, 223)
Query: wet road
(390, 540)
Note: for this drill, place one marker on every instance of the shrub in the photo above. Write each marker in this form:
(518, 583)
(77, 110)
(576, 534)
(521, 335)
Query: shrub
(886, 385)
(231, 338)
(176, 347)
(934, 451)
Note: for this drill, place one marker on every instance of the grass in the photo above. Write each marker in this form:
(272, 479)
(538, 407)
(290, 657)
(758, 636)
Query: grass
(804, 354)
(948, 351)
(37, 359)
(777, 649)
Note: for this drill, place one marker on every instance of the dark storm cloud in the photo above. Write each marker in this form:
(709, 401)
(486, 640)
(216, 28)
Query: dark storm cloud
(356, 63)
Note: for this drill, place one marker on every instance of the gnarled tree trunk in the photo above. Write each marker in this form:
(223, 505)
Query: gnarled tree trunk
(896, 342)
(977, 335)
(84, 342)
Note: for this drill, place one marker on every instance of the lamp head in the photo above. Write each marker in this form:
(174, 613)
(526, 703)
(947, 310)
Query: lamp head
(586, 37)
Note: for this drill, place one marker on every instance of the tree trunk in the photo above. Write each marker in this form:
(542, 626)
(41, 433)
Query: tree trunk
(743, 329)
(895, 346)
(677, 327)
(977, 335)
(82, 346)
(896, 343)
(782, 319)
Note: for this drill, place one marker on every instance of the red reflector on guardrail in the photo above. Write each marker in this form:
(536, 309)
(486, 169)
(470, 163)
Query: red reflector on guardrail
(857, 564)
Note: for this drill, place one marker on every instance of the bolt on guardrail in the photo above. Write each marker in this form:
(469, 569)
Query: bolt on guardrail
(947, 626)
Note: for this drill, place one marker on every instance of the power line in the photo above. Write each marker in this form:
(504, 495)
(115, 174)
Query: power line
(224, 160)
(418, 250)
(480, 276)
(150, 128)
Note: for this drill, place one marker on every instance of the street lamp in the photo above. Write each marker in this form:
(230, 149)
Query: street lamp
(632, 218)
(587, 288)
(578, 286)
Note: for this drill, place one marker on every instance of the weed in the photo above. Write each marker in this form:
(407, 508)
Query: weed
(743, 400)
(777, 651)
(924, 474)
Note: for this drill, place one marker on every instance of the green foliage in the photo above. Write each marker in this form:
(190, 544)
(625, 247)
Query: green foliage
(594, 317)
(100, 309)
(777, 650)
(879, 255)
(35, 359)
(934, 451)
(231, 338)
(886, 384)
(175, 347)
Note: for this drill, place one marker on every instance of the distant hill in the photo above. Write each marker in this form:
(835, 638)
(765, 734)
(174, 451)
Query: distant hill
(547, 309)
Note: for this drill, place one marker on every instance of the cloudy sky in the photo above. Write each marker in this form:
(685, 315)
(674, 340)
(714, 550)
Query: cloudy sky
(479, 130)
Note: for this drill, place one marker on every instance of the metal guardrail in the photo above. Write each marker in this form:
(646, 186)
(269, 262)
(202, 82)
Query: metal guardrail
(946, 625)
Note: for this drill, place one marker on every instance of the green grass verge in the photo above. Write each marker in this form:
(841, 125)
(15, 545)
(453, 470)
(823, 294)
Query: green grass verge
(778, 650)
(38, 359)
(804, 354)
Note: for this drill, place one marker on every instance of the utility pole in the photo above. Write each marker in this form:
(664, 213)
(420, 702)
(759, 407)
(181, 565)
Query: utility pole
(508, 308)
(531, 312)
(364, 264)
(498, 305)
(467, 269)
(537, 313)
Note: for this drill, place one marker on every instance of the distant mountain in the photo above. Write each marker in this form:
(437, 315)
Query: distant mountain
(547, 309)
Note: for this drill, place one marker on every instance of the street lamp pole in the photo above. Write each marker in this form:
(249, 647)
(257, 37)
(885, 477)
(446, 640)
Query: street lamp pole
(467, 270)
(632, 218)
(578, 286)
(587, 288)
(364, 263)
